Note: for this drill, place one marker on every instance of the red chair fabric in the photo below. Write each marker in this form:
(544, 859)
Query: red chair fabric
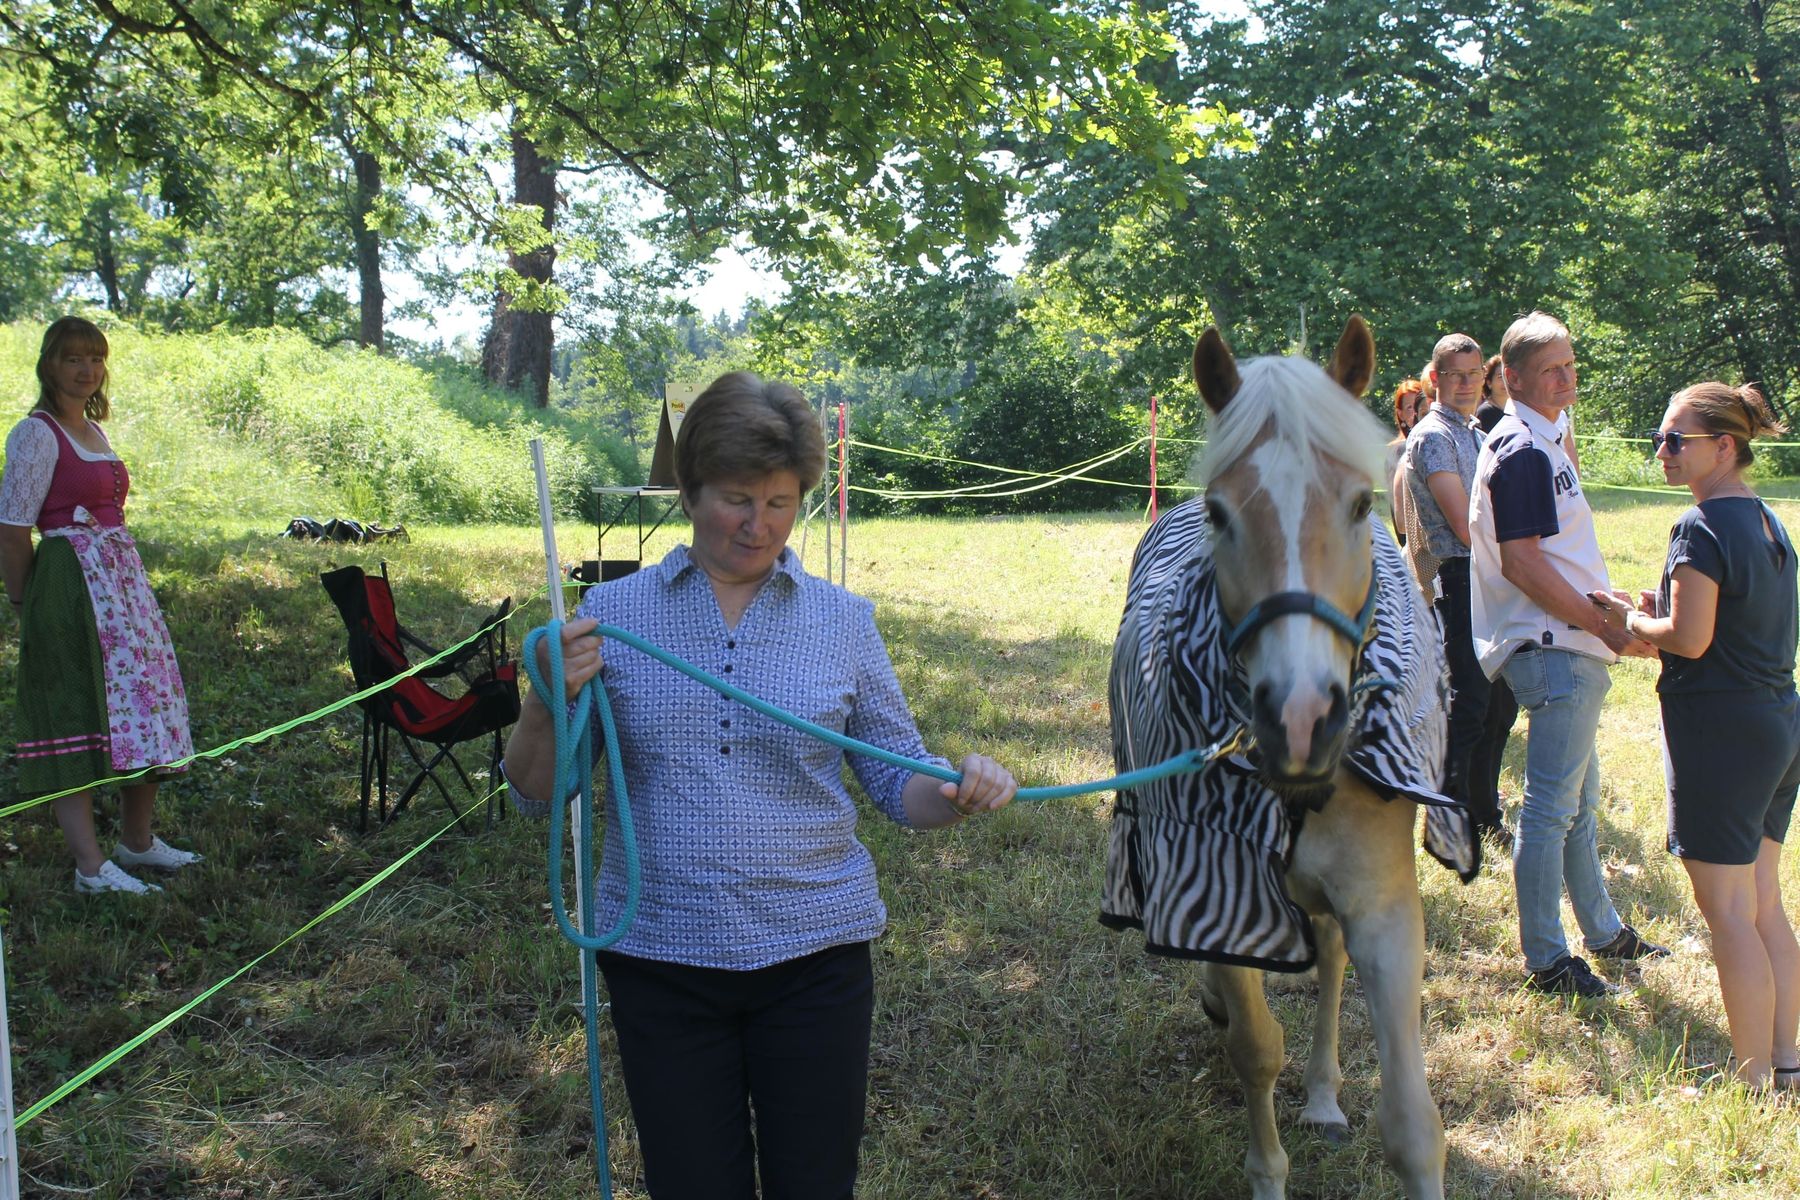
(411, 709)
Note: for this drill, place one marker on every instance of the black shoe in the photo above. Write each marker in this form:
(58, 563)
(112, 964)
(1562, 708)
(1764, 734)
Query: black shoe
(1571, 976)
(1494, 832)
(1628, 946)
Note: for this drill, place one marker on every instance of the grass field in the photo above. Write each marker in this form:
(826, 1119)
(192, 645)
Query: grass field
(427, 1042)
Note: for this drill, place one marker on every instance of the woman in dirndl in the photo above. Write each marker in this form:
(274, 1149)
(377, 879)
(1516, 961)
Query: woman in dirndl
(100, 693)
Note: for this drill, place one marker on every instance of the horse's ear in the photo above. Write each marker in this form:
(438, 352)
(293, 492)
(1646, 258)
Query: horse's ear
(1215, 370)
(1353, 362)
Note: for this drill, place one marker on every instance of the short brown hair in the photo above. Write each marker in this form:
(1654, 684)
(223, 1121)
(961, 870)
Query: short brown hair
(743, 425)
(1527, 335)
(80, 335)
(1740, 412)
(1453, 343)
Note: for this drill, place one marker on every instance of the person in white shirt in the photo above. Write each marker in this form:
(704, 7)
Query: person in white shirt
(1534, 559)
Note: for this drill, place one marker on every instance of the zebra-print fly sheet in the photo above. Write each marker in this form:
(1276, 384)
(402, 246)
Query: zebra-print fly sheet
(1198, 861)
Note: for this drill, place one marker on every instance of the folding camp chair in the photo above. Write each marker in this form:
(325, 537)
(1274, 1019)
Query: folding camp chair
(411, 709)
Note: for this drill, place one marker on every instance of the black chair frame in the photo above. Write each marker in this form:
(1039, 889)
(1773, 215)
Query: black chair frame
(427, 724)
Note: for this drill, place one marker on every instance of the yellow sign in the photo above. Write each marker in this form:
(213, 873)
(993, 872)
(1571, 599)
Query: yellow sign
(676, 399)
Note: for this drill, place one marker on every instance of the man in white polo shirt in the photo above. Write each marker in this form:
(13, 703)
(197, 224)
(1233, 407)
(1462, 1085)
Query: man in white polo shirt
(1534, 561)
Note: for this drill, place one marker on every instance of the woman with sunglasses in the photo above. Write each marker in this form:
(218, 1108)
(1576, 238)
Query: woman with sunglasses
(1724, 620)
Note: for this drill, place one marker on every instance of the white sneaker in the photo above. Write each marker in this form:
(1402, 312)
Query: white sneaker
(111, 879)
(160, 855)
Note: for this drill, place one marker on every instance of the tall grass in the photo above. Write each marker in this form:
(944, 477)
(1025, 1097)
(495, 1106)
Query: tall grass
(267, 425)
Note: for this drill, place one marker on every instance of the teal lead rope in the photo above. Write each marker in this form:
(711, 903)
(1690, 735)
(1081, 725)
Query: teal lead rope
(573, 729)
(574, 733)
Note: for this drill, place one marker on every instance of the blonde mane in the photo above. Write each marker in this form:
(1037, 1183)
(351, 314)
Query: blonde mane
(1309, 414)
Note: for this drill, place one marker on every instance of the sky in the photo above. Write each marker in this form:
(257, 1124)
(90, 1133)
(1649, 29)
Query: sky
(735, 279)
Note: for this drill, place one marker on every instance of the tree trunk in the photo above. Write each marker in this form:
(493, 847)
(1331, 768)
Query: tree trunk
(628, 426)
(1777, 178)
(1778, 175)
(106, 259)
(519, 343)
(370, 329)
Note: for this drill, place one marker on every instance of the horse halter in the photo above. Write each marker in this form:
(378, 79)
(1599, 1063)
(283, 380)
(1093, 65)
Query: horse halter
(1354, 630)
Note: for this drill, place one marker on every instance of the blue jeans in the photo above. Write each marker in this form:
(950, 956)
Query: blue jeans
(1556, 845)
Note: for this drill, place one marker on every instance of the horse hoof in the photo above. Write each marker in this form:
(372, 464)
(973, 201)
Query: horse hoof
(1335, 1133)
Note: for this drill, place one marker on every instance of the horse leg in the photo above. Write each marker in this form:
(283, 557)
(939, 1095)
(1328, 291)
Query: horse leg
(1359, 852)
(1253, 1042)
(1323, 1075)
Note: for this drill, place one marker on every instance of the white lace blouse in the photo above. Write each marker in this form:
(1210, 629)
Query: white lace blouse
(31, 454)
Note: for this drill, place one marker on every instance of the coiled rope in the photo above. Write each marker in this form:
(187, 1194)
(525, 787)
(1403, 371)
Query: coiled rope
(573, 729)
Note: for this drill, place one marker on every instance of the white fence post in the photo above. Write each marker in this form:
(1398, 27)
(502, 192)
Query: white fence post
(9, 1142)
(578, 831)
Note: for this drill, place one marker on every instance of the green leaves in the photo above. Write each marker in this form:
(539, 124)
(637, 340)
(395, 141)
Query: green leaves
(1445, 166)
(807, 129)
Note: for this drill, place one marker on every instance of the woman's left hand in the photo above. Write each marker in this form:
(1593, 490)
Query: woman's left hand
(986, 786)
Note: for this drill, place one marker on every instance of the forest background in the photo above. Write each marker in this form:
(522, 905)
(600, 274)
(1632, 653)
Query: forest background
(192, 166)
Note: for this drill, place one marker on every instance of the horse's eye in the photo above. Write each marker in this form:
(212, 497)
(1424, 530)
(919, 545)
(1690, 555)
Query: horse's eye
(1364, 503)
(1217, 516)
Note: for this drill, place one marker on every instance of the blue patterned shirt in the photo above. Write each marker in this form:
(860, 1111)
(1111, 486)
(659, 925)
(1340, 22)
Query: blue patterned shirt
(746, 832)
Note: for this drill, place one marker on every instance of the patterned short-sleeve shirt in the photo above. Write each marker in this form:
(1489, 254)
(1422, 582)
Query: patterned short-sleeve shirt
(1441, 442)
(746, 831)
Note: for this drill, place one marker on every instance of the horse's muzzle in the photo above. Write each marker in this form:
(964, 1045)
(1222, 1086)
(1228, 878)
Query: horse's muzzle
(1301, 733)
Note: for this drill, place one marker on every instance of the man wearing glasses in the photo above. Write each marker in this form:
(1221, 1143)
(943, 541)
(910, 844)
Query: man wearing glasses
(1534, 560)
(1440, 455)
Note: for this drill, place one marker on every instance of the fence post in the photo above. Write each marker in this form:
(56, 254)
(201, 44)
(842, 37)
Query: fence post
(9, 1141)
(825, 423)
(843, 496)
(1153, 399)
(578, 831)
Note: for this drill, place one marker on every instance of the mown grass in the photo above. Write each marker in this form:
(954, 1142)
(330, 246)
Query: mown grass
(427, 1042)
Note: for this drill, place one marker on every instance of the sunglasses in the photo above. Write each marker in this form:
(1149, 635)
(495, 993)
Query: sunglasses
(1675, 439)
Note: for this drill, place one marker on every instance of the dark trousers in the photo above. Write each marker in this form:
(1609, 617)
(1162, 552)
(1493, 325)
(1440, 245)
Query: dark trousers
(1469, 689)
(732, 1071)
(1485, 760)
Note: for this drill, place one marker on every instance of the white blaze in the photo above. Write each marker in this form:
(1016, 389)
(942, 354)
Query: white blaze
(1293, 654)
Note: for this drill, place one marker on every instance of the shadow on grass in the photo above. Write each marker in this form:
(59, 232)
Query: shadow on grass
(431, 1031)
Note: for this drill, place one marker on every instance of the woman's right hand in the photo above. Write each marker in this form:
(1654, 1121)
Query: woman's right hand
(581, 655)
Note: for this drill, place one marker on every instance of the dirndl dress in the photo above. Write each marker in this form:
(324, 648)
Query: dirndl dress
(99, 690)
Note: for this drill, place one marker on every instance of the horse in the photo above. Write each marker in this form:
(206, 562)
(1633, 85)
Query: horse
(1277, 604)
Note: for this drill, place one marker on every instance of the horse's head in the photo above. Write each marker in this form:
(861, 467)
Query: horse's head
(1290, 471)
